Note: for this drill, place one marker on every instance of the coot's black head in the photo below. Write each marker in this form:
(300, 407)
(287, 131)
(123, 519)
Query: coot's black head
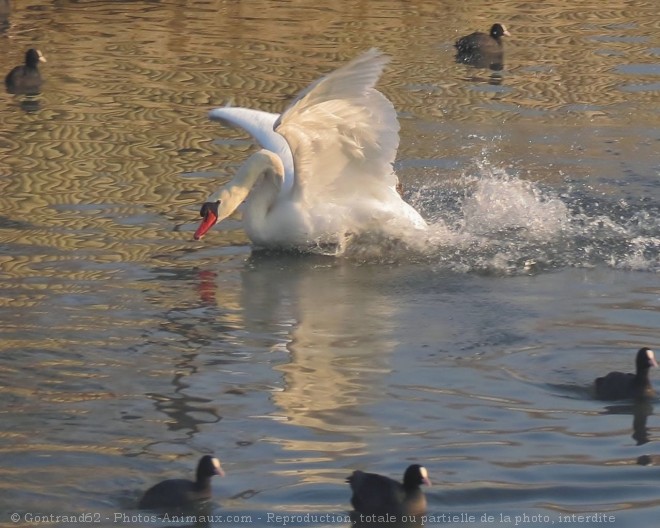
(415, 476)
(645, 359)
(33, 57)
(208, 466)
(498, 30)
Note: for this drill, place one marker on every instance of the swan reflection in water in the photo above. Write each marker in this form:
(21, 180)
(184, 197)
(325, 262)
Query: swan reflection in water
(337, 322)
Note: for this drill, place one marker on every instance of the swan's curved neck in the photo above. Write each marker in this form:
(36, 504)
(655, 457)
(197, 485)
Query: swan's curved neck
(262, 163)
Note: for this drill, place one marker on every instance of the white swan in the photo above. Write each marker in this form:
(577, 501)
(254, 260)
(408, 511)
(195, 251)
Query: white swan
(325, 169)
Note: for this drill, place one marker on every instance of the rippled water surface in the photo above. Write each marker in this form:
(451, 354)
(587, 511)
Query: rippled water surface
(128, 349)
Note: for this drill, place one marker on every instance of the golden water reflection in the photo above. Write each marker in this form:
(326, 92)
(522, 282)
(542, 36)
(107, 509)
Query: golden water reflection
(340, 340)
(101, 287)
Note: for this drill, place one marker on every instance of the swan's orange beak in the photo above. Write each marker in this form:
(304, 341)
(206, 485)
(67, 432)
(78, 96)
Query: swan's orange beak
(209, 214)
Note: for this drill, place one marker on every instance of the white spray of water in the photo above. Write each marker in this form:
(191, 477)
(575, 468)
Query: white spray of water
(493, 222)
(501, 203)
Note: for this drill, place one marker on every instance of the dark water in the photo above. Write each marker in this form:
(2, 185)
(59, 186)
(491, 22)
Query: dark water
(128, 349)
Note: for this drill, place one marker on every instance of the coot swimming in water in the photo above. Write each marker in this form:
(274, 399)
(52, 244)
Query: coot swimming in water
(183, 494)
(378, 495)
(624, 386)
(483, 50)
(26, 79)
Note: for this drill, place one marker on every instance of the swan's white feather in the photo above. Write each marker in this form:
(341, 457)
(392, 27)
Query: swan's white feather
(337, 141)
(343, 133)
(260, 125)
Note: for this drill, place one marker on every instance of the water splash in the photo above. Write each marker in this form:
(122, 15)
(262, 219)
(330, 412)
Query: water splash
(493, 222)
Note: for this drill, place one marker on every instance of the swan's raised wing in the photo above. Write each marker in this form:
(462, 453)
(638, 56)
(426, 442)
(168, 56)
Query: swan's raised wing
(343, 133)
(260, 125)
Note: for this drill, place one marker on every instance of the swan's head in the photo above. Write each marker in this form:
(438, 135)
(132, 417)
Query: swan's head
(224, 202)
(218, 207)
(209, 214)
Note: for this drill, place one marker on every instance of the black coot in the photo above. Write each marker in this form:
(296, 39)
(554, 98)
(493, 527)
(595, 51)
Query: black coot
(482, 49)
(26, 79)
(378, 495)
(183, 494)
(625, 386)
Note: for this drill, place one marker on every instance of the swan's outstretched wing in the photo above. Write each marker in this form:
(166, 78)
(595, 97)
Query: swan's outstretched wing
(260, 125)
(343, 134)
